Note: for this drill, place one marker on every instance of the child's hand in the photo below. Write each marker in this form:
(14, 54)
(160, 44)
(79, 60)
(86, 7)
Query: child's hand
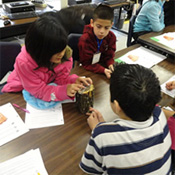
(170, 85)
(111, 67)
(94, 118)
(108, 73)
(72, 89)
(84, 81)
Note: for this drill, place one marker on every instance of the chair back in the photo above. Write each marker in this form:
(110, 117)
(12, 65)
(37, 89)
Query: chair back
(130, 30)
(9, 51)
(73, 40)
(131, 24)
(138, 10)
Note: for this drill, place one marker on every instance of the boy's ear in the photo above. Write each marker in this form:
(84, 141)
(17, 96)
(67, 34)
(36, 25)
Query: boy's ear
(112, 24)
(117, 107)
(92, 22)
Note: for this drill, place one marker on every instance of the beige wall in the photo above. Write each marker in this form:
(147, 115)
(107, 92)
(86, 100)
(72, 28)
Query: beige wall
(64, 3)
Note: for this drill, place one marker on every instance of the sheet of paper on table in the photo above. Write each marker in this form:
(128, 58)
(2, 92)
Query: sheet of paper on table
(167, 39)
(29, 163)
(45, 117)
(171, 93)
(13, 126)
(142, 56)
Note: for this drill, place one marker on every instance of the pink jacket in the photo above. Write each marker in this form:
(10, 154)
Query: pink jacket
(36, 81)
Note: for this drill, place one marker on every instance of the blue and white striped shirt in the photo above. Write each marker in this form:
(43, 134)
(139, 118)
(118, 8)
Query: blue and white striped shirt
(129, 147)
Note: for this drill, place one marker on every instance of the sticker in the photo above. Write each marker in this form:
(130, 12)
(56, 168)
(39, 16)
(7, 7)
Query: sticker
(2, 118)
(133, 57)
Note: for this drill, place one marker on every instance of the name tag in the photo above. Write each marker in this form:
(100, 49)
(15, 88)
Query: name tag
(96, 58)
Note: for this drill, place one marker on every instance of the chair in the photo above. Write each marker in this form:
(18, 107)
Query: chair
(130, 30)
(9, 51)
(73, 40)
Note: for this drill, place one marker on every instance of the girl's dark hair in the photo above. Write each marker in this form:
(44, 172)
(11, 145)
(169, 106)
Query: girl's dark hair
(44, 38)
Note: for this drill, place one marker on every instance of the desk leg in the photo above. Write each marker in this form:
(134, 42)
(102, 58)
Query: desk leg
(115, 28)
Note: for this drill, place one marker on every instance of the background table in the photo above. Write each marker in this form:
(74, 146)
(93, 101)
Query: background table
(19, 26)
(62, 146)
(146, 40)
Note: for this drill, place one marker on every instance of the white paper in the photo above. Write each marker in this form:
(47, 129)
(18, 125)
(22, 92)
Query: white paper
(45, 117)
(56, 4)
(69, 101)
(29, 163)
(171, 93)
(13, 127)
(144, 57)
(168, 108)
(167, 39)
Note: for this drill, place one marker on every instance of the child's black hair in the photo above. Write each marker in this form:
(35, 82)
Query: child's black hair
(136, 89)
(103, 12)
(44, 38)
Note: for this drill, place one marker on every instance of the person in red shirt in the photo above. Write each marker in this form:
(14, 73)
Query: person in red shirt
(97, 45)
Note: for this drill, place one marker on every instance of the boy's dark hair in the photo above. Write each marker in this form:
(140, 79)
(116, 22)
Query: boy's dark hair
(103, 12)
(136, 89)
(44, 38)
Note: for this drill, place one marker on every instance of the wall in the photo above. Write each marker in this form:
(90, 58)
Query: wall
(64, 3)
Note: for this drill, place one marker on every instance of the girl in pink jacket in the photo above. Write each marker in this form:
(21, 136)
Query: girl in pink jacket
(45, 59)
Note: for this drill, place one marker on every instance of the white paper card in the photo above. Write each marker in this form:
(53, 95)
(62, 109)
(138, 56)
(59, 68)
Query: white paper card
(13, 127)
(142, 56)
(29, 163)
(171, 93)
(167, 39)
(44, 118)
(168, 108)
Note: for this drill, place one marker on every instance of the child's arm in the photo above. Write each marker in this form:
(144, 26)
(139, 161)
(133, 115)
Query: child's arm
(72, 89)
(36, 82)
(108, 73)
(153, 16)
(84, 81)
(94, 118)
(66, 78)
(110, 53)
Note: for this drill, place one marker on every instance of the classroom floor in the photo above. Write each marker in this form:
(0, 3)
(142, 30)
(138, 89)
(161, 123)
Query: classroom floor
(121, 37)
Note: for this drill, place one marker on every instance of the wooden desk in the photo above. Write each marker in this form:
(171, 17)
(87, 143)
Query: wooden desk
(118, 5)
(145, 39)
(62, 146)
(19, 26)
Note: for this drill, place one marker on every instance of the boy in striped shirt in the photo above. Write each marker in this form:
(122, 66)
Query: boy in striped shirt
(138, 142)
